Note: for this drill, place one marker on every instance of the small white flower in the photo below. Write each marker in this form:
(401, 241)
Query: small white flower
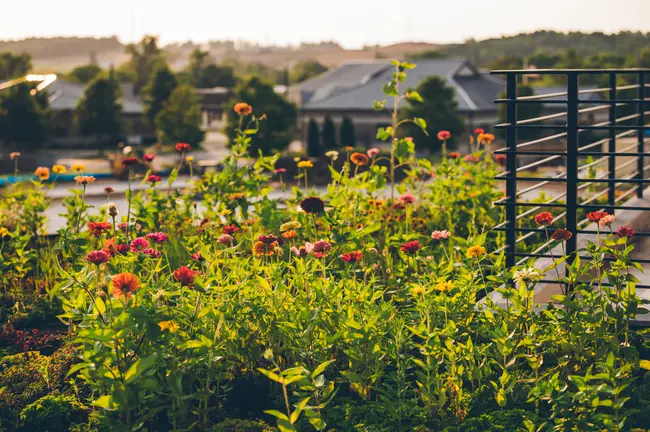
(526, 275)
(333, 154)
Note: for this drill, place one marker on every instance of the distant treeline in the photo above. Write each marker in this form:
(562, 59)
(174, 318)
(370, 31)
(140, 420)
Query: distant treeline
(61, 46)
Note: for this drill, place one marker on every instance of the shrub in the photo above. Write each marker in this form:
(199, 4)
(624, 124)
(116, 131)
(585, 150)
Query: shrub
(52, 414)
(22, 381)
(238, 425)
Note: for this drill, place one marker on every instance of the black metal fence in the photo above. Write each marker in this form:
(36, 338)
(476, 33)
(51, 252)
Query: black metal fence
(581, 130)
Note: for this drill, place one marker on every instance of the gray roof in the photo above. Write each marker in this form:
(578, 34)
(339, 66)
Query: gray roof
(64, 95)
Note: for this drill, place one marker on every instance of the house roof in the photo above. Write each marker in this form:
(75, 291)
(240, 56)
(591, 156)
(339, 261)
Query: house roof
(64, 95)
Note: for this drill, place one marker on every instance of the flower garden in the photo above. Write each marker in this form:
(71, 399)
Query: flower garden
(361, 308)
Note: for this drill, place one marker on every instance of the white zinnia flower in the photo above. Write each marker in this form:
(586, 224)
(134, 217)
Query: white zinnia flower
(525, 275)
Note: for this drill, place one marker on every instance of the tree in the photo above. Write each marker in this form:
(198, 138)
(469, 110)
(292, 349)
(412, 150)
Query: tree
(145, 58)
(276, 132)
(14, 65)
(329, 134)
(438, 108)
(98, 111)
(180, 118)
(23, 122)
(160, 86)
(85, 74)
(524, 111)
(313, 139)
(214, 75)
(198, 60)
(346, 133)
(305, 69)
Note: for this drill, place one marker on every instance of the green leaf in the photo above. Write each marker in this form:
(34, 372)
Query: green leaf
(271, 375)
(413, 95)
(299, 407)
(379, 105)
(321, 367)
(644, 364)
(277, 414)
(421, 123)
(105, 402)
(140, 367)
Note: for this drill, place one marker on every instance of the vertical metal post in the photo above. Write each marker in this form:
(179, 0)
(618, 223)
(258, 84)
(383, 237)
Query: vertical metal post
(641, 134)
(611, 161)
(572, 162)
(511, 167)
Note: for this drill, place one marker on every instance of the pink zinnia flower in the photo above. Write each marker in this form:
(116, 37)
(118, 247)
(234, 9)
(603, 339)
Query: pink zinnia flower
(625, 232)
(225, 239)
(303, 251)
(411, 247)
(373, 152)
(280, 171)
(322, 248)
(153, 179)
(149, 157)
(151, 252)
(14, 155)
(139, 244)
(407, 198)
(197, 256)
(157, 237)
(606, 220)
(185, 276)
(440, 235)
(97, 257)
(444, 135)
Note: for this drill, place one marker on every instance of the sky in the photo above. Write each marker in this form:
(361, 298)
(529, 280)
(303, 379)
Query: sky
(352, 23)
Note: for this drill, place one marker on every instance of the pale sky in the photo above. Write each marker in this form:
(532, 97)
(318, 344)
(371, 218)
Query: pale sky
(352, 23)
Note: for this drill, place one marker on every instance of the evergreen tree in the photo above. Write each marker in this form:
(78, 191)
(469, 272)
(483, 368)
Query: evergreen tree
(145, 58)
(303, 70)
(329, 134)
(160, 86)
(23, 122)
(313, 139)
(98, 111)
(180, 118)
(276, 131)
(347, 134)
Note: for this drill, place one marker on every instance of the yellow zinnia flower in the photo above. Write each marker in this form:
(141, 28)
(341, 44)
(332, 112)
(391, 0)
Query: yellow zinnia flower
(170, 326)
(305, 164)
(189, 159)
(59, 169)
(78, 167)
(475, 251)
(225, 212)
(290, 226)
(417, 290)
(4, 232)
(444, 286)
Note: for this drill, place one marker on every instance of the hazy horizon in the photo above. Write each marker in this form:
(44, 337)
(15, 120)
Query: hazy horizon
(351, 24)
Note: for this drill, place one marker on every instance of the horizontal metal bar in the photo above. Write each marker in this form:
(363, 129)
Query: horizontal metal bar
(554, 281)
(585, 154)
(551, 230)
(526, 126)
(534, 101)
(618, 180)
(629, 71)
(622, 102)
(538, 255)
(617, 127)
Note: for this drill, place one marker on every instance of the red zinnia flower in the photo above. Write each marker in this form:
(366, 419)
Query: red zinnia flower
(544, 219)
(185, 276)
(268, 239)
(109, 190)
(500, 159)
(444, 135)
(139, 244)
(595, 216)
(128, 161)
(479, 131)
(225, 239)
(562, 234)
(312, 205)
(197, 256)
(411, 247)
(149, 157)
(280, 171)
(158, 237)
(407, 198)
(153, 178)
(242, 108)
(453, 155)
(97, 228)
(123, 248)
(351, 257)
(97, 257)
(124, 284)
(183, 147)
(625, 232)
(230, 229)
(153, 253)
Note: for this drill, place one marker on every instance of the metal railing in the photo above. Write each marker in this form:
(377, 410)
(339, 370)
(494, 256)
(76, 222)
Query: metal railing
(568, 139)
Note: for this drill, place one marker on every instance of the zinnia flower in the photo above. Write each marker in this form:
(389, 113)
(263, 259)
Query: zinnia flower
(97, 228)
(185, 276)
(322, 248)
(479, 131)
(625, 232)
(475, 251)
(264, 249)
(225, 239)
(242, 108)
(444, 135)
(444, 286)
(410, 248)
(312, 205)
(4, 232)
(416, 290)
(562, 234)
(97, 257)
(14, 155)
(351, 257)
(124, 284)
(543, 219)
(183, 147)
(303, 251)
(108, 190)
(122, 248)
(197, 256)
(189, 159)
(373, 152)
(153, 179)
(332, 154)
(359, 159)
(149, 157)
(157, 237)
(43, 173)
(236, 196)
(596, 216)
(84, 179)
(78, 167)
(139, 244)
(129, 161)
(279, 171)
(288, 235)
(440, 235)
(485, 138)
(153, 253)
(230, 229)
(59, 169)
(170, 326)
(407, 198)
(525, 275)
(453, 155)
(606, 220)
(305, 164)
(288, 226)
(268, 239)
(500, 159)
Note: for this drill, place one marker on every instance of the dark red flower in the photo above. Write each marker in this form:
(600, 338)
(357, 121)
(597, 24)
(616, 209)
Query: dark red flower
(109, 190)
(562, 234)
(97, 257)
(312, 205)
(543, 219)
(153, 178)
(411, 247)
(122, 248)
(230, 229)
(139, 244)
(351, 257)
(129, 161)
(153, 253)
(625, 232)
(123, 226)
(444, 135)
(157, 237)
(185, 276)
(149, 157)
(453, 155)
(183, 147)
(97, 228)
(268, 239)
(407, 198)
(595, 216)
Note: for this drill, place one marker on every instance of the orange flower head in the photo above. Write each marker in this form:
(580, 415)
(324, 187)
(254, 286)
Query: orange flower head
(544, 219)
(97, 228)
(43, 173)
(183, 147)
(84, 180)
(185, 276)
(264, 249)
(124, 284)
(359, 159)
(242, 108)
(288, 235)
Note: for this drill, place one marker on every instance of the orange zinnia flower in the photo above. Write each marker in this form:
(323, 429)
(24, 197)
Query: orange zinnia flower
(359, 159)
(97, 228)
(84, 180)
(43, 173)
(124, 284)
(242, 108)
(264, 249)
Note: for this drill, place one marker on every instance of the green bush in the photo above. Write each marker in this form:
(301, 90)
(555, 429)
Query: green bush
(508, 420)
(239, 425)
(22, 382)
(52, 414)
